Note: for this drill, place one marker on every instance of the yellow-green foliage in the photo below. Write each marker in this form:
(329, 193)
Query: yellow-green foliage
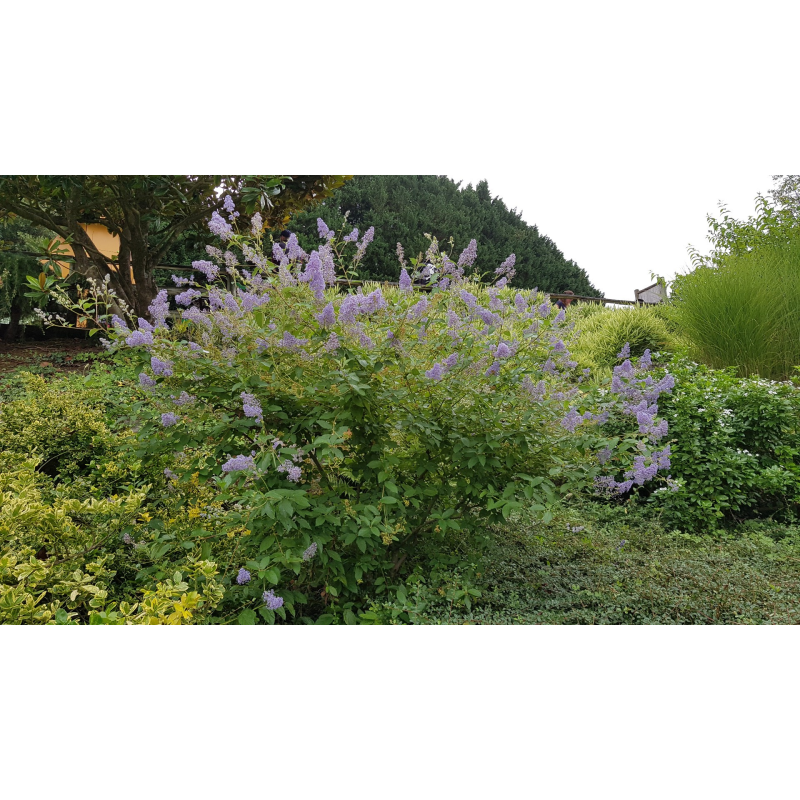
(598, 337)
(57, 422)
(59, 559)
(49, 552)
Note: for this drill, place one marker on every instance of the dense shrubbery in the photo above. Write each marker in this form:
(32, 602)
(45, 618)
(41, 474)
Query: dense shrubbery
(285, 452)
(736, 448)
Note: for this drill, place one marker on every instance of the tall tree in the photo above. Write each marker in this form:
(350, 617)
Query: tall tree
(402, 208)
(786, 193)
(148, 213)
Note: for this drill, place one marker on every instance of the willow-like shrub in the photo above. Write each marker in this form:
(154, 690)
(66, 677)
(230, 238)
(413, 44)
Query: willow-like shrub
(342, 429)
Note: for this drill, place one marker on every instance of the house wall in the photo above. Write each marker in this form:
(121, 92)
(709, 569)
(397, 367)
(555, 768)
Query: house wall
(105, 241)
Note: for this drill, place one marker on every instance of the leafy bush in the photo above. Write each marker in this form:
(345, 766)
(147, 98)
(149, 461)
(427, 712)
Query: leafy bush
(602, 334)
(735, 448)
(67, 560)
(340, 435)
(58, 422)
(742, 311)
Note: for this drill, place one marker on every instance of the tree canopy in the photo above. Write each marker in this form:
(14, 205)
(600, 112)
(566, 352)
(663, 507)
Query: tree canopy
(402, 208)
(149, 213)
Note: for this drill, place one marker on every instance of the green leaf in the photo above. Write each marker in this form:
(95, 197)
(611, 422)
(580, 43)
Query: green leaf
(247, 617)
(272, 575)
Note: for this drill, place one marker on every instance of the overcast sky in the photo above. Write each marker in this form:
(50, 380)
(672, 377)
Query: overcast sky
(622, 227)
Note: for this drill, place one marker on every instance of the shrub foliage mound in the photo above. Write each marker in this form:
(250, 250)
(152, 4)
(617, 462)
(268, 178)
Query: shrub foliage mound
(340, 432)
(601, 334)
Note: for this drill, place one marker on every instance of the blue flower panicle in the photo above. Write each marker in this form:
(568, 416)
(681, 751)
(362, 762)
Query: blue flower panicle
(243, 577)
(271, 600)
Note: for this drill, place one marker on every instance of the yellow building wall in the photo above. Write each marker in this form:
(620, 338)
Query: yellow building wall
(105, 241)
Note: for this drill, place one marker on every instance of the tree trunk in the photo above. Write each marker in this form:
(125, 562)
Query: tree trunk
(13, 323)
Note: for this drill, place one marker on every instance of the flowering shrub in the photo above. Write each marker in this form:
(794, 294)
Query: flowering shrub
(338, 431)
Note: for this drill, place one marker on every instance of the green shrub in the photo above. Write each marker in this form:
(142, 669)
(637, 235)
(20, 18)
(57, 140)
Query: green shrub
(600, 335)
(735, 448)
(58, 422)
(67, 560)
(340, 435)
(743, 311)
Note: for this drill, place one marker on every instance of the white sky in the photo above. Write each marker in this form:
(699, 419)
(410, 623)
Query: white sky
(616, 238)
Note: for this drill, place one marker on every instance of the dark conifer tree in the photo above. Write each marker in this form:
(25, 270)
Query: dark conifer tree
(402, 208)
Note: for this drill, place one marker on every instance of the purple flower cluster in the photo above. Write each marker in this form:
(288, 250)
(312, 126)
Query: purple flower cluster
(357, 304)
(293, 249)
(250, 301)
(272, 601)
(332, 344)
(145, 381)
(137, 338)
(327, 318)
(502, 351)
(536, 391)
(161, 367)
(169, 419)
(313, 276)
(293, 473)
(506, 269)
(219, 227)
(310, 551)
(438, 371)
(469, 254)
(571, 420)
(243, 577)
(469, 298)
(211, 271)
(291, 343)
(119, 325)
(239, 464)
(405, 280)
(251, 407)
(487, 317)
(435, 373)
(365, 340)
(184, 399)
(418, 309)
(256, 224)
(194, 314)
(186, 298)
(159, 309)
(352, 236)
(362, 245)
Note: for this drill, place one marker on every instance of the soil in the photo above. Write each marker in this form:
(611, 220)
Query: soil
(58, 355)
